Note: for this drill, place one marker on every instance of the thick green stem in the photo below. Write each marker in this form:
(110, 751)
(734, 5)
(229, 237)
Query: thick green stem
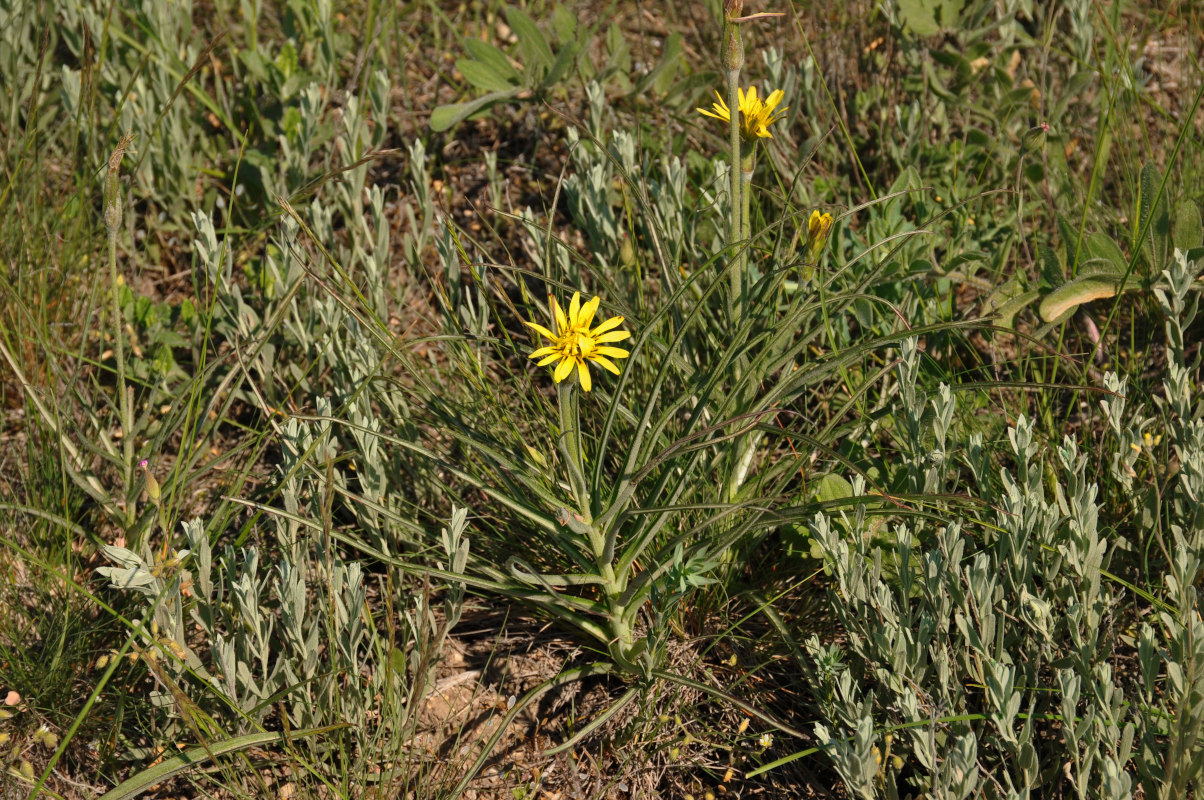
(736, 226)
(740, 469)
(622, 645)
(747, 164)
(732, 57)
(570, 441)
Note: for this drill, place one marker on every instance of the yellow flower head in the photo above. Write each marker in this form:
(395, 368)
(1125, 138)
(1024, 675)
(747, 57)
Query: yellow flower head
(818, 228)
(575, 344)
(755, 115)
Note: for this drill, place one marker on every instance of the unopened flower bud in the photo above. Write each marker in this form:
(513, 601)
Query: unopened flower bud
(818, 228)
(152, 485)
(1034, 138)
(112, 189)
(112, 202)
(627, 253)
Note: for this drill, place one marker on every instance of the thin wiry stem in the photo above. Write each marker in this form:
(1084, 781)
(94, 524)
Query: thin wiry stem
(112, 218)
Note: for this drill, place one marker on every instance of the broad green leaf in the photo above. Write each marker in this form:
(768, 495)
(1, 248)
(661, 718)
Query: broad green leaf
(564, 62)
(530, 40)
(1106, 254)
(1053, 267)
(1072, 244)
(919, 17)
(618, 51)
(833, 487)
(1188, 232)
(1082, 289)
(1148, 189)
(494, 58)
(397, 661)
(446, 116)
(1157, 240)
(483, 76)
(564, 22)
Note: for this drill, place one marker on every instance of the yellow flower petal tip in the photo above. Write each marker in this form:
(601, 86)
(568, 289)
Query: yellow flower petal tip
(575, 343)
(756, 115)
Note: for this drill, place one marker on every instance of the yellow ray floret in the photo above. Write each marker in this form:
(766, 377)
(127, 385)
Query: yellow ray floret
(756, 115)
(575, 343)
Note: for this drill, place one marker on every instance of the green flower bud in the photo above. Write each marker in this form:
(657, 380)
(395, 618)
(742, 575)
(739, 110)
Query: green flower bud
(627, 253)
(152, 485)
(112, 190)
(112, 202)
(1034, 138)
(818, 228)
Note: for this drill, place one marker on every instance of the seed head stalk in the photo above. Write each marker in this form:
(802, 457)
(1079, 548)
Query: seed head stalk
(733, 62)
(112, 217)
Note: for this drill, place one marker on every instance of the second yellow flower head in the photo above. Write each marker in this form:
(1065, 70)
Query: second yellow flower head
(575, 344)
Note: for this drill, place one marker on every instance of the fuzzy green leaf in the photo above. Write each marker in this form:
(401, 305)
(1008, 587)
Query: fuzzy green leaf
(564, 22)
(565, 59)
(1083, 289)
(530, 40)
(1188, 232)
(833, 487)
(493, 58)
(484, 76)
(928, 17)
(1106, 255)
